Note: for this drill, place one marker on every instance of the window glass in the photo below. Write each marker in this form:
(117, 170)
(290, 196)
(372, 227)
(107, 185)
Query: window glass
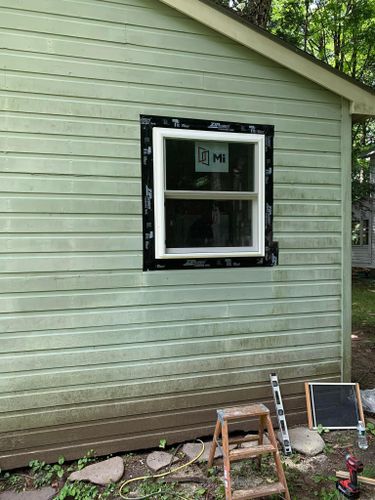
(208, 223)
(360, 232)
(356, 233)
(209, 165)
(365, 232)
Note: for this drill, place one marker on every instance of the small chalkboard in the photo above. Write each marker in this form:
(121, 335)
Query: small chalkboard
(333, 406)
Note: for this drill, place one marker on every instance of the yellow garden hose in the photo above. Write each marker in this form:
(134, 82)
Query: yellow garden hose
(157, 476)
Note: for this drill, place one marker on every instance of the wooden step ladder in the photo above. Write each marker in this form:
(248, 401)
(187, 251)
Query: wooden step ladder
(224, 417)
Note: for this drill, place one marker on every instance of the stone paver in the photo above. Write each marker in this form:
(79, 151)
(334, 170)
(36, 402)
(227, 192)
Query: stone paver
(305, 441)
(251, 444)
(191, 450)
(102, 473)
(160, 459)
(42, 494)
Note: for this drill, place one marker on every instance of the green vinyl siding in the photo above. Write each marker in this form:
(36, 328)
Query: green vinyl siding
(94, 352)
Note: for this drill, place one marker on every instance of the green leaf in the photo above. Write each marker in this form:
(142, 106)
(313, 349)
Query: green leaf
(200, 491)
(162, 443)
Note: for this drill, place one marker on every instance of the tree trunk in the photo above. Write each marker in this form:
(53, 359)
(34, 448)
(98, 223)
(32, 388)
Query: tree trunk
(255, 11)
(259, 12)
(306, 25)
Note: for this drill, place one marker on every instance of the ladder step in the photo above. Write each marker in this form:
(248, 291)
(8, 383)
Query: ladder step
(242, 453)
(259, 491)
(248, 411)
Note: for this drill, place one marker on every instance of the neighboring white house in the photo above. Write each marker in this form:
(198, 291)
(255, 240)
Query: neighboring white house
(363, 227)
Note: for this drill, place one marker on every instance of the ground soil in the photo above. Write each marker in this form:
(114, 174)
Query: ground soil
(307, 477)
(363, 357)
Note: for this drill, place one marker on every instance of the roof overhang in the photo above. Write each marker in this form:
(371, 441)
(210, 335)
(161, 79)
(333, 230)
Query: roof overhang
(362, 101)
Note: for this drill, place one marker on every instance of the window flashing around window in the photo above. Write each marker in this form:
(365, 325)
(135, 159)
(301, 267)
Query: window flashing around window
(155, 131)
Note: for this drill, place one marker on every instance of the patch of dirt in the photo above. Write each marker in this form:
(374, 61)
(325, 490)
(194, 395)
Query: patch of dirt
(363, 357)
(318, 473)
(307, 477)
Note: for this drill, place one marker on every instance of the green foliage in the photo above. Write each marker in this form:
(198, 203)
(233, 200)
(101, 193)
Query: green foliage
(165, 491)
(161, 491)
(44, 474)
(86, 460)
(287, 22)
(244, 468)
(293, 478)
(295, 457)
(325, 494)
(362, 187)
(215, 480)
(220, 492)
(200, 492)
(319, 478)
(212, 471)
(162, 443)
(79, 491)
(321, 429)
(328, 449)
(8, 481)
(369, 471)
(363, 304)
(107, 492)
(340, 33)
(370, 428)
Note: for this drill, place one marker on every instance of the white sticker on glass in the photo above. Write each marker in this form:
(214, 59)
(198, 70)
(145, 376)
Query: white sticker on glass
(211, 157)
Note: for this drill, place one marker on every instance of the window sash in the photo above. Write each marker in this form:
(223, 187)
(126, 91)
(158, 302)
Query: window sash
(160, 193)
(210, 195)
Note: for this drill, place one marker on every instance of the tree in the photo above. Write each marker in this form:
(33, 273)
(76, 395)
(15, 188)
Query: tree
(255, 11)
(340, 33)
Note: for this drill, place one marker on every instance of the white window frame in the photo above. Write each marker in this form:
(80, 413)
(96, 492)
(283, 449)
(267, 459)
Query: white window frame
(161, 193)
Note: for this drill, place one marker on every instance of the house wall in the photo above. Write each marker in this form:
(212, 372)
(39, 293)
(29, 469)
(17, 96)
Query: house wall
(364, 255)
(95, 353)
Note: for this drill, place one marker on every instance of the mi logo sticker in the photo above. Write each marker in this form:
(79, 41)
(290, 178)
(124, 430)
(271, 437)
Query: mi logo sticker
(211, 157)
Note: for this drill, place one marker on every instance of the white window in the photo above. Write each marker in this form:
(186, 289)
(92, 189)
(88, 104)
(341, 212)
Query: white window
(209, 193)
(360, 232)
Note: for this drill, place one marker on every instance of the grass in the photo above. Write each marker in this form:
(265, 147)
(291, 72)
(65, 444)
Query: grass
(369, 471)
(363, 298)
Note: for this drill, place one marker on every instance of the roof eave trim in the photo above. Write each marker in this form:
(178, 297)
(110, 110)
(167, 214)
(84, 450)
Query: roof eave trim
(361, 101)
